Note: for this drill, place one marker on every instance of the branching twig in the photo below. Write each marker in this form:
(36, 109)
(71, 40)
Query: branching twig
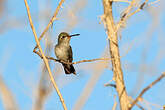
(81, 61)
(44, 58)
(141, 7)
(126, 14)
(145, 90)
(131, 99)
(51, 21)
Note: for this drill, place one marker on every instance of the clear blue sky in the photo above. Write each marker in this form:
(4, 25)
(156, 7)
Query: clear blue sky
(141, 45)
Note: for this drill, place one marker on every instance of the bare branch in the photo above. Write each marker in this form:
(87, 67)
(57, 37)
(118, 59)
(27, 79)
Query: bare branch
(131, 99)
(145, 90)
(44, 58)
(115, 55)
(115, 103)
(51, 21)
(126, 14)
(127, 1)
(140, 8)
(81, 61)
(60, 61)
(44, 89)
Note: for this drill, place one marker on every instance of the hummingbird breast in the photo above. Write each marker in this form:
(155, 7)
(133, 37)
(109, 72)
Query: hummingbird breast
(64, 52)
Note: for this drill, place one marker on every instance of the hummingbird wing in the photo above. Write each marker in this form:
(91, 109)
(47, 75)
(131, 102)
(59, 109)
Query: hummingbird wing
(70, 54)
(69, 68)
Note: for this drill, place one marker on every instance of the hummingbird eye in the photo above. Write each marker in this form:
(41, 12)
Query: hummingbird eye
(62, 37)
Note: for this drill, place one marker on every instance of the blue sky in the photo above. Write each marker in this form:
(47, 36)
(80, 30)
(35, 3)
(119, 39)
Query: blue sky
(141, 45)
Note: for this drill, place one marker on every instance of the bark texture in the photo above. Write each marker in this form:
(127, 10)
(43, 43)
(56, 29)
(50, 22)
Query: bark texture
(115, 55)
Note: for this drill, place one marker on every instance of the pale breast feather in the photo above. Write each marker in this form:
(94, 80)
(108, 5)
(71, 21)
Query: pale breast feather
(62, 53)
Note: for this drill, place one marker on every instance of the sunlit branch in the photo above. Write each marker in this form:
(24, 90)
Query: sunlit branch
(81, 61)
(44, 58)
(51, 21)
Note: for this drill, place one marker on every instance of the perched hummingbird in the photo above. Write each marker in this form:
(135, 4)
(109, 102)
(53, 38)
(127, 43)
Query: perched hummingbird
(63, 51)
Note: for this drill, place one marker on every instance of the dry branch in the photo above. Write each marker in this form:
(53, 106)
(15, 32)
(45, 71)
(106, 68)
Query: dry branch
(145, 90)
(51, 21)
(81, 61)
(112, 30)
(115, 103)
(115, 55)
(139, 106)
(141, 7)
(44, 58)
(44, 89)
(127, 13)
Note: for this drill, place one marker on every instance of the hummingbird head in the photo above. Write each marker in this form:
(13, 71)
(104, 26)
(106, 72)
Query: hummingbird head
(65, 37)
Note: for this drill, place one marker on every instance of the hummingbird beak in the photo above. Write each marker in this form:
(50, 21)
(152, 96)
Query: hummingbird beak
(74, 35)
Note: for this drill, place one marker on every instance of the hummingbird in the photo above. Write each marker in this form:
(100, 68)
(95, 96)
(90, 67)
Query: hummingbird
(63, 51)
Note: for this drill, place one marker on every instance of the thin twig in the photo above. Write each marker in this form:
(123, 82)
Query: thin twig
(77, 62)
(81, 61)
(126, 14)
(51, 21)
(127, 1)
(44, 58)
(44, 88)
(140, 8)
(131, 99)
(115, 103)
(145, 90)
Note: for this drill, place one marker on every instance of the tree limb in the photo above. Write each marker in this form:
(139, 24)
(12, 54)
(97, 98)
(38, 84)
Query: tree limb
(115, 55)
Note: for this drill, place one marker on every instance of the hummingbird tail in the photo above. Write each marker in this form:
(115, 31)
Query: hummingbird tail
(69, 68)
